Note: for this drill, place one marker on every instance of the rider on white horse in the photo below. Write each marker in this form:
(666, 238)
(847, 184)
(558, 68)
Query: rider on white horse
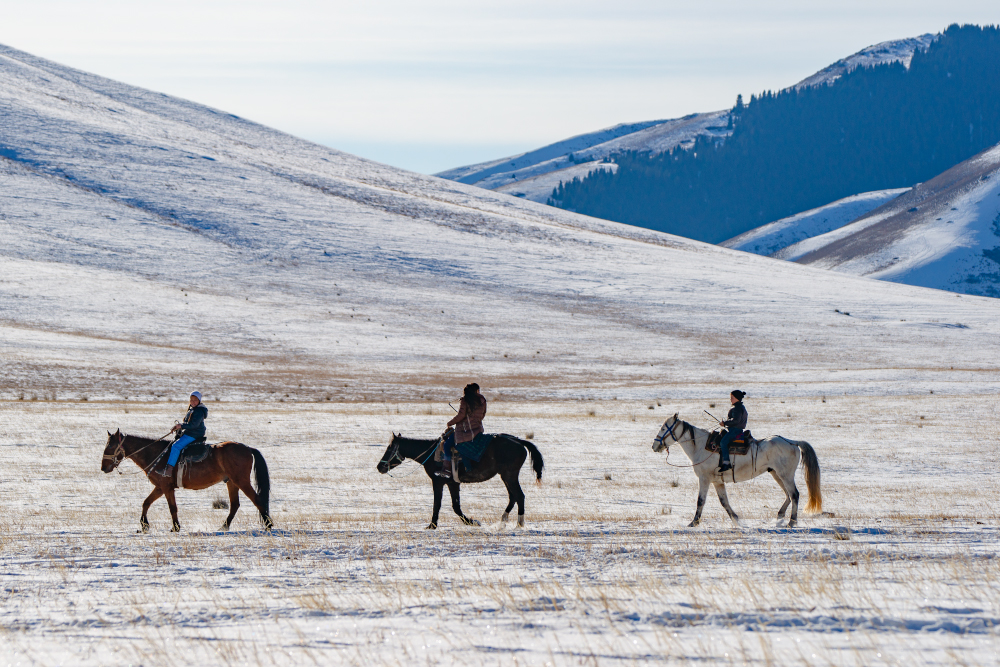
(736, 423)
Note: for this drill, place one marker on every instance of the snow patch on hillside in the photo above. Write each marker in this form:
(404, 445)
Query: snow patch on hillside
(774, 239)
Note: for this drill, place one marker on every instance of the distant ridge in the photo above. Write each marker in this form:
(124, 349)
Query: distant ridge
(535, 174)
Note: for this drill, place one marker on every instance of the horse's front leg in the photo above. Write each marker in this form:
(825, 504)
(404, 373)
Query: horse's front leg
(456, 504)
(172, 502)
(720, 490)
(150, 499)
(702, 494)
(438, 485)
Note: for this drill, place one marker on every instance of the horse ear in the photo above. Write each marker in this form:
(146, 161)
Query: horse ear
(109, 434)
(675, 415)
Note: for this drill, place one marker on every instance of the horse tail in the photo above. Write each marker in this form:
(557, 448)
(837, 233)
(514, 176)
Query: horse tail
(536, 460)
(263, 481)
(811, 463)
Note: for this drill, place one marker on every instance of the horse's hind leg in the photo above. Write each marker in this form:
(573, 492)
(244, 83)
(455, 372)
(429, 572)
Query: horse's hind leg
(172, 502)
(720, 490)
(516, 495)
(150, 499)
(788, 498)
(234, 503)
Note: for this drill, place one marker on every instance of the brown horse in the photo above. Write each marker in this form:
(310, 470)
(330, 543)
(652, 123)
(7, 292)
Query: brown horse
(229, 462)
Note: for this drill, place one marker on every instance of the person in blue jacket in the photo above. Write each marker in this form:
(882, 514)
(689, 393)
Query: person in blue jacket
(191, 429)
(736, 423)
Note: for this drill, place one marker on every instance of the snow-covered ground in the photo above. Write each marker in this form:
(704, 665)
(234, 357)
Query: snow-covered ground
(535, 174)
(774, 238)
(604, 573)
(322, 301)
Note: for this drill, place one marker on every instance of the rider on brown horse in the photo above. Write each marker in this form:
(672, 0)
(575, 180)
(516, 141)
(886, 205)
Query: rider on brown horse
(191, 430)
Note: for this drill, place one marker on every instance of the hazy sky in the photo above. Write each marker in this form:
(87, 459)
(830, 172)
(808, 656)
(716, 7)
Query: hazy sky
(432, 84)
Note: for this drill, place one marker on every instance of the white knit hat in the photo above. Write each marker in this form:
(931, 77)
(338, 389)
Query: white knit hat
(196, 394)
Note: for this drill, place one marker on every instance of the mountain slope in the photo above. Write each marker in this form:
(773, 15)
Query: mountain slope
(153, 245)
(535, 174)
(871, 129)
(944, 233)
(773, 238)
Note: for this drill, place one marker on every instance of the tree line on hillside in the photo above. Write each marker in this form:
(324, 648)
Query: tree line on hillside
(886, 126)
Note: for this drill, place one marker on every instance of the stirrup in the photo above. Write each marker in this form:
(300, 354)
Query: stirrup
(443, 472)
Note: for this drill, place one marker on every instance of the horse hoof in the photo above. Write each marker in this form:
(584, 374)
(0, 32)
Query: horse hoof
(792, 524)
(693, 524)
(470, 522)
(506, 515)
(432, 526)
(520, 521)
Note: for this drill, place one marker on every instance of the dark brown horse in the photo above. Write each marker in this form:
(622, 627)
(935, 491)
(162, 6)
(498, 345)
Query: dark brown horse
(504, 456)
(229, 462)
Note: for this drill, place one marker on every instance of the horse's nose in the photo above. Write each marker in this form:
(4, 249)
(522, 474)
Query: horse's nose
(382, 467)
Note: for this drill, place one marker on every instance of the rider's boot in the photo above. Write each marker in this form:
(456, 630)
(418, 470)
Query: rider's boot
(725, 465)
(445, 470)
(168, 471)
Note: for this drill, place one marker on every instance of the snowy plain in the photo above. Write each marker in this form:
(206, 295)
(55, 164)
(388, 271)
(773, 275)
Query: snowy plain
(322, 301)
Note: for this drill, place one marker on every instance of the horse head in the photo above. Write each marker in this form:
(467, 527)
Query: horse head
(114, 451)
(662, 440)
(392, 457)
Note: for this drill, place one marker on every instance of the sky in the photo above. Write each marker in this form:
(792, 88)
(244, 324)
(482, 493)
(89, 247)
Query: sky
(436, 84)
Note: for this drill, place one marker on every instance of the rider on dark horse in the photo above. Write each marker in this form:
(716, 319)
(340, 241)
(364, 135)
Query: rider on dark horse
(736, 423)
(191, 430)
(468, 423)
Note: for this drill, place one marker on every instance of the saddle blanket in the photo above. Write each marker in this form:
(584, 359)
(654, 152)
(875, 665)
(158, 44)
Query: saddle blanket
(473, 451)
(738, 447)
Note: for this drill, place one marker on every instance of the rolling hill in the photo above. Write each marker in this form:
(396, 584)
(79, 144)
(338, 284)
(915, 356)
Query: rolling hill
(152, 245)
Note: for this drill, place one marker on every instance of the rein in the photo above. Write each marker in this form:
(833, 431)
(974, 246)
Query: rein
(120, 449)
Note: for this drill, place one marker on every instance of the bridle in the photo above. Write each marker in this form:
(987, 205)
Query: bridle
(659, 439)
(395, 455)
(118, 455)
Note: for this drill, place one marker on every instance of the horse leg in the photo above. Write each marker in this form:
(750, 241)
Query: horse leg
(438, 484)
(516, 495)
(788, 498)
(794, 519)
(456, 504)
(150, 499)
(172, 502)
(720, 490)
(234, 503)
(702, 494)
(246, 486)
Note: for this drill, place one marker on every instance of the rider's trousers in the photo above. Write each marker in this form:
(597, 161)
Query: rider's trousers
(175, 449)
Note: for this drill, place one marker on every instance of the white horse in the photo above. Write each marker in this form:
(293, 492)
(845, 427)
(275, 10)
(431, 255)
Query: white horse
(776, 455)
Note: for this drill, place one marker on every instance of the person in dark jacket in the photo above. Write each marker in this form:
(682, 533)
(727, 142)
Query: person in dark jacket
(735, 423)
(190, 430)
(468, 423)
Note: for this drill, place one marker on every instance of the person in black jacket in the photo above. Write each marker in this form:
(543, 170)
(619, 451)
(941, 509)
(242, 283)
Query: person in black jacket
(736, 423)
(192, 429)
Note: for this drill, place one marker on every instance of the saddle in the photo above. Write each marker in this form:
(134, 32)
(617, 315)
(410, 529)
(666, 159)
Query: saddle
(196, 452)
(738, 447)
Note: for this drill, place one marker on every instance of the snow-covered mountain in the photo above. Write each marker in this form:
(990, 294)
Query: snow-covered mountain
(535, 174)
(944, 233)
(151, 245)
(774, 238)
